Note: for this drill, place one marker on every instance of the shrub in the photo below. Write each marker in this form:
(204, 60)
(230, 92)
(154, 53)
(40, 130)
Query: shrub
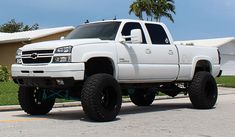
(4, 74)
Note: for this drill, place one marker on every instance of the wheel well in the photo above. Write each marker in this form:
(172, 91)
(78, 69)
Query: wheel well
(203, 65)
(99, 65)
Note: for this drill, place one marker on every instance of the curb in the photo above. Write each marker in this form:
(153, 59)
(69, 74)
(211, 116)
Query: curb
(78, 103)
(222, 90)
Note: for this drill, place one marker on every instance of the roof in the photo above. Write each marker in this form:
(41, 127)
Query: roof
(217, 42)
(31, 35)
(125, 20)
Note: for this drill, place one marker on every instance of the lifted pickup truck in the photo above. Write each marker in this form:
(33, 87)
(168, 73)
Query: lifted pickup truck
(98, 60)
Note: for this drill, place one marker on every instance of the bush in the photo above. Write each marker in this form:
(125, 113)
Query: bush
(4, 74)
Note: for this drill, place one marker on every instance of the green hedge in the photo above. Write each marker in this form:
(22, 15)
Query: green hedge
(4, 74)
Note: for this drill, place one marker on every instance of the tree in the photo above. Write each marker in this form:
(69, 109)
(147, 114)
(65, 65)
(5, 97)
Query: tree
(153, 8)
(140, 6)
(163, 8)
(13, 26)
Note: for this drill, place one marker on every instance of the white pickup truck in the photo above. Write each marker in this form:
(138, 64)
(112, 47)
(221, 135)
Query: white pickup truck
(99, 62)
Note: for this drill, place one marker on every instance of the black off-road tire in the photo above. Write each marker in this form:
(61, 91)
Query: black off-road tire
(101, 97)
(143, 97)
(203, 91)
(30, 101)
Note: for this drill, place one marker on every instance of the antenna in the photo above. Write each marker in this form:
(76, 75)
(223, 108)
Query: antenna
(115, 18)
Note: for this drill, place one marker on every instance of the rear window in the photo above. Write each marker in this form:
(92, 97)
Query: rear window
(157, 34)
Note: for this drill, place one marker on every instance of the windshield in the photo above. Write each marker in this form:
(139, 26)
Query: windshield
(103, 31)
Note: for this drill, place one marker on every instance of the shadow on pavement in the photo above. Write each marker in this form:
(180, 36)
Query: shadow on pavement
(125, 110)
(157, 107)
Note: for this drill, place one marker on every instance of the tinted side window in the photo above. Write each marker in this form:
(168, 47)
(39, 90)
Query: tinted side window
(126, 31)
(157, 34)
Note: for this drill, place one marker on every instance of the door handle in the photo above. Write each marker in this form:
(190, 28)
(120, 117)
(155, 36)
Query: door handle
(148, 51)
(170, 52)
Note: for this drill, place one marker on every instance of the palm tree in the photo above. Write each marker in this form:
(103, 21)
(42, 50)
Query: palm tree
(163, 8)
(140, 6)
(153, 8)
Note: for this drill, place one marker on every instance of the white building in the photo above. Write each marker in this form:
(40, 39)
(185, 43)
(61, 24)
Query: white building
(226, 47)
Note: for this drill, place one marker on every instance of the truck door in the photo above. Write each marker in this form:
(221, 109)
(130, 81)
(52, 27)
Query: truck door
(131, 56)
(162, 53)
(147, 62)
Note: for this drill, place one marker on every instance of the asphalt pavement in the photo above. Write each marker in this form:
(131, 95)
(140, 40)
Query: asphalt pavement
(166, 117)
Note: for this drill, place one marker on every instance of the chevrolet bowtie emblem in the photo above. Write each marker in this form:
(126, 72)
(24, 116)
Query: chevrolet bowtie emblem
(34, 55)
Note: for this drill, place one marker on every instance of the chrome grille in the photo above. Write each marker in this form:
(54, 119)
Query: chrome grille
(37, 51)
(37, 56)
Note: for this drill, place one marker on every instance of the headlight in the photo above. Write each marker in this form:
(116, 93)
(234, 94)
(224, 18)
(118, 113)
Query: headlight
(63, 54)
(66, 49)
(18, 56)
(62, 59)
(18, 52)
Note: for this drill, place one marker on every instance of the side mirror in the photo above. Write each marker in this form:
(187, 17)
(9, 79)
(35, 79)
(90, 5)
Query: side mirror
(62, 38)
(136, 36)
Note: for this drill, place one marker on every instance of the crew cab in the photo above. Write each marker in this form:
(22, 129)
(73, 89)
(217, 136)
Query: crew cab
(100, 61)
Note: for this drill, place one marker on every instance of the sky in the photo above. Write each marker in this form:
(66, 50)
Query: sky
(194, 19)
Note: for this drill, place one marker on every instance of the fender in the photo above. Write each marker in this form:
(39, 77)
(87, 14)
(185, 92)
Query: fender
(89, 55)
(194, 63)
(108, 55)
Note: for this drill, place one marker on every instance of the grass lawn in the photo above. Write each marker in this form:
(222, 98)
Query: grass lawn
(226, 81)
(8, 93)
(8, 90)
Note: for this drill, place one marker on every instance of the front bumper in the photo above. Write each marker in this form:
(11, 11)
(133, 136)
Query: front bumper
(47, 75)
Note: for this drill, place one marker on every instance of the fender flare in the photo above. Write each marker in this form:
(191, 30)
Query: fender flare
(86, 57)
(196, 60)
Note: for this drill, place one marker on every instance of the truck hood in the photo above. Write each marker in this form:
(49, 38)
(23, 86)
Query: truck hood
(60, 43)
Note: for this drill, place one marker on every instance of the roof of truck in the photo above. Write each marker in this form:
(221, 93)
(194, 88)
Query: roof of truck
(125, 20)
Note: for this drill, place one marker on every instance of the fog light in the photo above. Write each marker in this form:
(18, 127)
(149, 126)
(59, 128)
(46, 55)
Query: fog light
(60, 82)
(19, 61)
